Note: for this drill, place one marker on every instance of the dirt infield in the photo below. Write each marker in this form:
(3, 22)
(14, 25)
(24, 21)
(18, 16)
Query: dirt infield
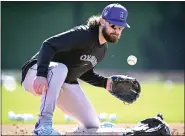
(24, 129)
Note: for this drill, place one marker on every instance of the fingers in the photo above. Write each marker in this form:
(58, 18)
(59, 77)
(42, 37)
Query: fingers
(44, 88)
(40, 85)
(40, 88)
(36, 87)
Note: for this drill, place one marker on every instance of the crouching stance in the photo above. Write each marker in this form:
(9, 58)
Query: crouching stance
(53, 71)
(70, 98)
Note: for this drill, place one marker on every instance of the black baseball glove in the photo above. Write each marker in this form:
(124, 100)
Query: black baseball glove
(154, 126)
(125, 88)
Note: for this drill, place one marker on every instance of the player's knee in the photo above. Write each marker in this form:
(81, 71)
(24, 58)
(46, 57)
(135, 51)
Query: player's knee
(61, 69)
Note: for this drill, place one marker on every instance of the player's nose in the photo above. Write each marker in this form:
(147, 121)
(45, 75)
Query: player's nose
(117, 31)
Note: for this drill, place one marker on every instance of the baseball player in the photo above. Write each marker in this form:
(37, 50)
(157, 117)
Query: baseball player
(52, 72)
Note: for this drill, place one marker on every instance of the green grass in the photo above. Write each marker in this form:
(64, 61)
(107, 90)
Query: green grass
(154, 98)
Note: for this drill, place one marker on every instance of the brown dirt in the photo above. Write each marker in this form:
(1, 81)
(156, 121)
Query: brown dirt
(25, 129)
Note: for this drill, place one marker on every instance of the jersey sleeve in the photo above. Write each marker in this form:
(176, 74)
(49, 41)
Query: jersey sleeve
(72, 39)
(94, 79)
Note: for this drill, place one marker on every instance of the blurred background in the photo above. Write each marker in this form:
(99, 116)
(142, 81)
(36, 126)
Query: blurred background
(156, 38)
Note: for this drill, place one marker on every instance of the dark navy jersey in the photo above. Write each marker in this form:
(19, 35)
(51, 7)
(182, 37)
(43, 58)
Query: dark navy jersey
(78, 48)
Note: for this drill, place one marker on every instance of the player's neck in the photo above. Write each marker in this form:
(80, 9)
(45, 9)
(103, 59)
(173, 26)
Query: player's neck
(101, 37)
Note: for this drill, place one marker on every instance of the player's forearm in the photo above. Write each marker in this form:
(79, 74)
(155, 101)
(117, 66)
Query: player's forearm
(94, 79)
(45, 55)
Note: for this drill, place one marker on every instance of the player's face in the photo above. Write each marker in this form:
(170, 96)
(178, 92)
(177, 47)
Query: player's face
(111, 32)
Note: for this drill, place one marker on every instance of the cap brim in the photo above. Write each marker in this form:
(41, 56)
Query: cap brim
(118, 23)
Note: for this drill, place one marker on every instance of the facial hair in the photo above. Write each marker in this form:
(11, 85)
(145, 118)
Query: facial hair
(109, 37)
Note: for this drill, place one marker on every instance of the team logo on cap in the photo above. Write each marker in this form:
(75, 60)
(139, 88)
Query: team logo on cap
(105, 13)
(121, 15)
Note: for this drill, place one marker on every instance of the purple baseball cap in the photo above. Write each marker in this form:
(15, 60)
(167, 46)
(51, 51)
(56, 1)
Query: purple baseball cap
(116, 14)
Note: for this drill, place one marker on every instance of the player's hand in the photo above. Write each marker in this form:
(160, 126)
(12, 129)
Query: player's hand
(124, 88)
(40, 85)
(109, 82)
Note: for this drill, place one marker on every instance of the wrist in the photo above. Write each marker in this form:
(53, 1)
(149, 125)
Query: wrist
(109, 82)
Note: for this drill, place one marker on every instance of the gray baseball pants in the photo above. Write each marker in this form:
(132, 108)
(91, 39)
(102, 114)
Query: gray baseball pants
(70, 98)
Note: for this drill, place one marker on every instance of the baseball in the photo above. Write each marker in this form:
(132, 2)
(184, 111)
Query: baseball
(131, 60)
(112, 117)
(67, 118)
(28, 117)
(103, 116)
(19, 117)
(11, 115)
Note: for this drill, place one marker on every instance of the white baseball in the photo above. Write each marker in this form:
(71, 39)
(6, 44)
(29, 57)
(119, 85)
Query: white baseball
(11, 115)
(103, 116)
(67, 118)
(28, 117)
(131, 60)
(112, 117)
(19, 117)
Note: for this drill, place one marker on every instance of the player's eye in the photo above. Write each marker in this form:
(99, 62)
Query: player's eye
(112, 26)
(116, 27)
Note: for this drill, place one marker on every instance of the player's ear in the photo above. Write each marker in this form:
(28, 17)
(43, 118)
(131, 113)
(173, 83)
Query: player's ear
(102, 21)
